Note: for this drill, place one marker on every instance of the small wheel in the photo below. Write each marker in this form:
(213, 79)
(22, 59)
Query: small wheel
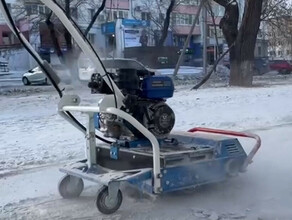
(25, 81)
(70, 187)
(104, 205)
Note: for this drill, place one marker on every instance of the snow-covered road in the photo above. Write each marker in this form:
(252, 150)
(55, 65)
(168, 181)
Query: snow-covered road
(264, 192)
(32, 134)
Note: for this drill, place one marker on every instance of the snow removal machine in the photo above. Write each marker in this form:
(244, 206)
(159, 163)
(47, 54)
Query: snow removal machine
(129, 132)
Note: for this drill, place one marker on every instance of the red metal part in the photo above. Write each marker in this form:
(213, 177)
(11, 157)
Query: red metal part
(237, 134)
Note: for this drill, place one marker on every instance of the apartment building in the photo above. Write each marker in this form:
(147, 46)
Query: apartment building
(280, 38)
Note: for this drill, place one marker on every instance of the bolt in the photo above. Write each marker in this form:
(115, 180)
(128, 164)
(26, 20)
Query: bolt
(164, 171)
(134, 156)
(167, 182)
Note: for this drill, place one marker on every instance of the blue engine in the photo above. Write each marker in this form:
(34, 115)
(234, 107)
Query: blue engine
(157, 87)
(145, 96)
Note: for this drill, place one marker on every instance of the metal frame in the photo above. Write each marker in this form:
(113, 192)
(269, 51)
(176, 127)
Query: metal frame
(91, 146)
(236, 134)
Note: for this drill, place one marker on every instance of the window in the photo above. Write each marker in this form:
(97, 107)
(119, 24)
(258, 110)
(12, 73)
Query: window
(212, 32)
(107, 15)
(145, 16)
(31, 9)
(91, 13)
(101, 17)
(190, 2)
(121, 14)
(91, 38)
(259, 51)
(74, 12)
(41, 9)
(34, 9)
(6, 38)
(115, 14)
(47, 10)
(126, 14)
(183, 19)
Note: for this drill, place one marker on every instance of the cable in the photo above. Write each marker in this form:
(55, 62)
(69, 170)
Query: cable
(16, 31)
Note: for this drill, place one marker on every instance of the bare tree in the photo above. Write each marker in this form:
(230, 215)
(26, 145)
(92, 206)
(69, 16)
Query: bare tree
(160, 15)
(166, 23)
(277, 14)
(243, 38)
(213, 17)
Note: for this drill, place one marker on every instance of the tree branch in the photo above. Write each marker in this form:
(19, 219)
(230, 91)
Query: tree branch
(205, 79)
(209, 7)
(55, 41)
(100, 9)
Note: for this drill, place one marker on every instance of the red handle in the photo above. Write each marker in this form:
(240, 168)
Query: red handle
(237, 134)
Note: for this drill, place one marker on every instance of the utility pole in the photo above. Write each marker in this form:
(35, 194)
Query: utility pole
(204, 38)
(180, 59)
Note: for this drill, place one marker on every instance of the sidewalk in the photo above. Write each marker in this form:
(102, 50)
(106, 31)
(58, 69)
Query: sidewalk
(13, 73)
(5, 73)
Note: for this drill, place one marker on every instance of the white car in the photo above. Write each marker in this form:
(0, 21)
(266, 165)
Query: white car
(34, 76)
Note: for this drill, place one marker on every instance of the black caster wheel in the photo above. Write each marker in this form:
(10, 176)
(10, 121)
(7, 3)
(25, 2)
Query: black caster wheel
(70, 187)
(103, 203)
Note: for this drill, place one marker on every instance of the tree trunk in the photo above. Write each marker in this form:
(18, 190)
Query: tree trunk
(242, 67)
(244, 40)
(166, 23)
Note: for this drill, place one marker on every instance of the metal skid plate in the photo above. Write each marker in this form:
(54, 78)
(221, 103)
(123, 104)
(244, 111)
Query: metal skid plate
(176, 178)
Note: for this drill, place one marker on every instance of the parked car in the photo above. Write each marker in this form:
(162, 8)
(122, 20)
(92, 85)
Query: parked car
(282, 66)
(37, 76)
(260, 65)
(34, 76)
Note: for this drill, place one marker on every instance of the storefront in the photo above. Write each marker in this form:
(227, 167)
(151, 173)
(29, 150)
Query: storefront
(125, 33)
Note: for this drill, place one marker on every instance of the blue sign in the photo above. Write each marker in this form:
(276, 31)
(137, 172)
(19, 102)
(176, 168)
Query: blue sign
(134, 22)
(108, 28)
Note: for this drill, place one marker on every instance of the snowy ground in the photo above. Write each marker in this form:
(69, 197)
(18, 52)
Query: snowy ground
(33, 135)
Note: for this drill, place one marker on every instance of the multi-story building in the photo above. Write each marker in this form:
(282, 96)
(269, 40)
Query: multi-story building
(280, 38)
(182, 18)
(11, 50)
(122, 22)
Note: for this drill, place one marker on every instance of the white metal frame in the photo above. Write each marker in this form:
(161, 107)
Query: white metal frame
(71, 103)
(91, 146)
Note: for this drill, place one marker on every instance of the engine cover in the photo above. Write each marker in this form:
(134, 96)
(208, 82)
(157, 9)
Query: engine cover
(159, 119)
(157, 87)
